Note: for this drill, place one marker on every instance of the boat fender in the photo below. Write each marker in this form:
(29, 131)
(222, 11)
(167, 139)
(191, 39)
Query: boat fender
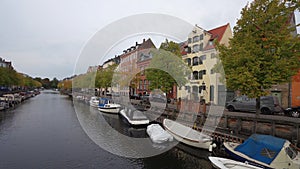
(211, 146)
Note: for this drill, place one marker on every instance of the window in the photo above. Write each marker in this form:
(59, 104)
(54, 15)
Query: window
(200, 74)
(196, 39)
(204, 72)
(195, 89)
(200, 89)
(291, 152)
(190, 40)
(212, 90)
(145, 85)
(188, 88)
(201, 37)
(195, 75)
(212, 71)
(212, 55)
(187, 49)
(200, 61)
(188, 61)
(203, 57)
(196, 48)
(195, 61)
(141, 84)
(201, 47)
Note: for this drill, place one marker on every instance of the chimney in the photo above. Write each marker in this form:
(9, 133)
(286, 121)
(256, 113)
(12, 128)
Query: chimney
(144, 40)
(136, 43)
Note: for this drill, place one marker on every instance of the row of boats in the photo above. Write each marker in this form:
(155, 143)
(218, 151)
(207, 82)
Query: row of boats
(257, 152)
(11, 99)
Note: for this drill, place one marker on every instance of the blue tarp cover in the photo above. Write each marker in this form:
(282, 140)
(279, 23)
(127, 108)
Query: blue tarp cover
(257, 146)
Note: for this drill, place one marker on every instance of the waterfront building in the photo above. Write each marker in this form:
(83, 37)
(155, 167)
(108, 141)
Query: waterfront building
(109, 62)
(143, 61)
(93, 68)
(295, 90)
(201, 55)
(128, 68)
(6, 64)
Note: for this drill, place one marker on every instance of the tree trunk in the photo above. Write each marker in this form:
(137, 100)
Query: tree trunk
(258, 106)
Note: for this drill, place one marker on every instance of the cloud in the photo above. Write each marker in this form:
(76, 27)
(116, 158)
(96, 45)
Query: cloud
(44, 38)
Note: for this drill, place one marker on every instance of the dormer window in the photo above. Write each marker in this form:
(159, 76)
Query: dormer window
(196, 39)
(201, 37)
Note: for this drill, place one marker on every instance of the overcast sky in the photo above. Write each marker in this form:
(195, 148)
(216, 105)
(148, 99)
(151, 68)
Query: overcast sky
(43, 38)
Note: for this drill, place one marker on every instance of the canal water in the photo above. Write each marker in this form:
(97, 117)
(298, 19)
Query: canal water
(44, 132)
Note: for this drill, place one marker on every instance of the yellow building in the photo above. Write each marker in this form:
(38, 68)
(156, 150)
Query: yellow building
(204, 83)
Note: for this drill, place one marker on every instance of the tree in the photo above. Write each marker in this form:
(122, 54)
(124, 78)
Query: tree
(167, 68)
(8, 77)
(54, 83)
(263, 51)
(104, 77)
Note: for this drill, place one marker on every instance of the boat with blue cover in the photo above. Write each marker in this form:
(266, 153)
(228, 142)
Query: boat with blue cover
(265, 151)
(107, 106)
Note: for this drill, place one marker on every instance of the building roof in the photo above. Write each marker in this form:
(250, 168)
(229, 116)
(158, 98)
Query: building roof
(147, 44)
(183, 46)
(217, 33)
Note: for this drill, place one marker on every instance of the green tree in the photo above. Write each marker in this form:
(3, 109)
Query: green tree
(263, 51)
(104, 77)
(54, 83)
(167, 68)
(86, 80)
(8, 77)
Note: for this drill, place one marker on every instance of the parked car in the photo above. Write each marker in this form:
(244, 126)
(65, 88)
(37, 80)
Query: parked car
(292, 111)
(135, 97)
(158, 98)
(268, 104)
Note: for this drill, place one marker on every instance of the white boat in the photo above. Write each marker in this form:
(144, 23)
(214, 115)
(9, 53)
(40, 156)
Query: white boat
(265, 151)
(157, 134)
(106, 106)
(225, 163)
(187, 135)
(134, 118)
(94, 101)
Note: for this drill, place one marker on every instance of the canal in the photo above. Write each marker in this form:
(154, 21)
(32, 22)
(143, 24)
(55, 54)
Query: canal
(44, 132)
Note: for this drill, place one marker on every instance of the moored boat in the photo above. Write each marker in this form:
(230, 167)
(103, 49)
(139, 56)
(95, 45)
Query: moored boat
(157, 134)
(134, 118)
(94, 101)
(106, 106)
(225, 163)
(187, 135)
(265, 151)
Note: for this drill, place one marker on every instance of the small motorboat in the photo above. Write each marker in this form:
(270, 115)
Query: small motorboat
(106, 106)
(94, 101)
(187, 135)
(134, 118)
(157, 134)
(266, 151)
(225, 163)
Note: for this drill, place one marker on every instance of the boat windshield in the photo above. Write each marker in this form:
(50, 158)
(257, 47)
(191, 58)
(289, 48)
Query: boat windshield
(291, 151)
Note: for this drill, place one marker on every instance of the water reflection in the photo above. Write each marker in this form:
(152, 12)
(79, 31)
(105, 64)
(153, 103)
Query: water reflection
(44, 132)
(115, 136)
